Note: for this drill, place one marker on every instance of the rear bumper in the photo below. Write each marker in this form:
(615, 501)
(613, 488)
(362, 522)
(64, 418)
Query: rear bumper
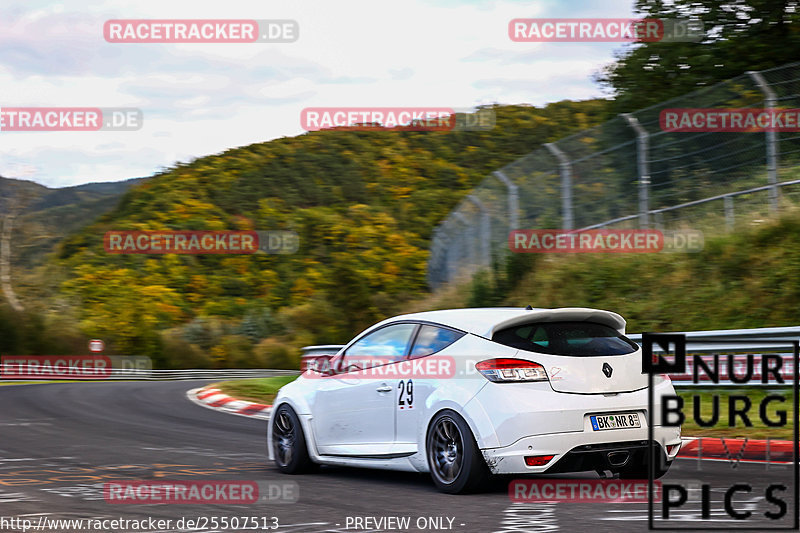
(533, 420)
(582, 451)
(519, 410)
(608, 456)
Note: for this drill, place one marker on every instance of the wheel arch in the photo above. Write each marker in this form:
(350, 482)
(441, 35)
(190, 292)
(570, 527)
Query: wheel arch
(473, 413)
(304, 423)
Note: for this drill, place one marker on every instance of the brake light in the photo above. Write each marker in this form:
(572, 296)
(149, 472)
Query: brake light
(537, 460)
(500, 370)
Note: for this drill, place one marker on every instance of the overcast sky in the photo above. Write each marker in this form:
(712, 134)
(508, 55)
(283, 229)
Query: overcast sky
(200, 99)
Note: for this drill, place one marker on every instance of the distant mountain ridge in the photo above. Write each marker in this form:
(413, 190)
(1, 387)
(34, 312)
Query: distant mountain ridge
(45, 215)
(56, 196)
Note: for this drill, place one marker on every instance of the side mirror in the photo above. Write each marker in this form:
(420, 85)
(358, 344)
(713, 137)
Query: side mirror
(320, 364)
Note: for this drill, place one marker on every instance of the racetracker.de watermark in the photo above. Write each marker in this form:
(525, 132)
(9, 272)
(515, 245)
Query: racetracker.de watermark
(581, 490)
(605, 30)
(70, 119)
(381, 367)
(696, 120)
(397, 119)
(201, 242)
(240, 492)
(50, 367)
(200, 31)
(604, 241)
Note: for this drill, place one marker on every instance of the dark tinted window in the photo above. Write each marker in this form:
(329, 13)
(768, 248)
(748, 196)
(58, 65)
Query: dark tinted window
(566, 338)
(431, 339)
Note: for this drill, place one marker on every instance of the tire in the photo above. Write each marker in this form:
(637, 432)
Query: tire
(289, 442)
(455, 463)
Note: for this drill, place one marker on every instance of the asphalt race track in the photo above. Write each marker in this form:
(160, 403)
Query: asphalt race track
(59, 444)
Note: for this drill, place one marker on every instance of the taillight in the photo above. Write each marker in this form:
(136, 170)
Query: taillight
(500, 370)
(538, 460)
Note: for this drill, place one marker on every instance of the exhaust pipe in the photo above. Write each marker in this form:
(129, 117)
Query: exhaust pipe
(618, 458)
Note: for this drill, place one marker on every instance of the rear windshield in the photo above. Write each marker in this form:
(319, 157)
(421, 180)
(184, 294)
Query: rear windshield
(566, 338)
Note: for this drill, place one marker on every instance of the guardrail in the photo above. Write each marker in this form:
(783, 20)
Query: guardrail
(710, 345)
(787, 333)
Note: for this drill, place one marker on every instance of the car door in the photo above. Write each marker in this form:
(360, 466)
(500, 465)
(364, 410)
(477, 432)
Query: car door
(353, 414)
(412, 393)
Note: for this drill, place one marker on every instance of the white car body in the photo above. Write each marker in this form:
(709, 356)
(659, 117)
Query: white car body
(359, 422)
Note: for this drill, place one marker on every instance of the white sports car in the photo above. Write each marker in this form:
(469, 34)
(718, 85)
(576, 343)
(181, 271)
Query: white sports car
(464, 393)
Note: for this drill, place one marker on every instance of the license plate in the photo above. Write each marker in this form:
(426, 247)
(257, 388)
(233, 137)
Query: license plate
(616, 421)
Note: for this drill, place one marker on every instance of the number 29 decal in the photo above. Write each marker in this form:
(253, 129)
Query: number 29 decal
(406, 396)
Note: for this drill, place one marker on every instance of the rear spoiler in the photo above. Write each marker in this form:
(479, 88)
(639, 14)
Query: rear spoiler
(564, 314)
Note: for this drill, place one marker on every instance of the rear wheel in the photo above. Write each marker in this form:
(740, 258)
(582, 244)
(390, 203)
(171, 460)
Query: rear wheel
(455, 462)
(289, 443)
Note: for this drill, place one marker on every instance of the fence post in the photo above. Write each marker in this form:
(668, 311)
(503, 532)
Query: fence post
(513, 200)
(449, 248)
(729, 219)
(435, 259)
(644, 171)
(5, 263)
(565, 169)
(485, 231)
(463, 236)
(771, 137)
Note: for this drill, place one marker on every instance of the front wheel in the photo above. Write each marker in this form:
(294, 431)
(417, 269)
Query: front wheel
(454, 460)
(289, 443)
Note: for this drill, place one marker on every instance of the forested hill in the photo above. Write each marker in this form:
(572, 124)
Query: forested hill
(364, 204)
(46, 215)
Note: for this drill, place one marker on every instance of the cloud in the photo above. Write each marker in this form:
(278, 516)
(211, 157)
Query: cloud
(200, 99)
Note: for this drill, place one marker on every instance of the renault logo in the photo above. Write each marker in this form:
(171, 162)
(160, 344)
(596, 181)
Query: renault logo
(607, 370)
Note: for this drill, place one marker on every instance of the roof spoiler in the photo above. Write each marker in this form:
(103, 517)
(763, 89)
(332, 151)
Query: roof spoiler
(565, 314)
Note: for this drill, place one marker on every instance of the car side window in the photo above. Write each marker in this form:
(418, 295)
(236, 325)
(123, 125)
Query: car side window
(432, 339)
(380, 347)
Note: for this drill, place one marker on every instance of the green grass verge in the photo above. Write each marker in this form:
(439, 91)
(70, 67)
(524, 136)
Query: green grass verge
(260, 390)
(759, 429)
